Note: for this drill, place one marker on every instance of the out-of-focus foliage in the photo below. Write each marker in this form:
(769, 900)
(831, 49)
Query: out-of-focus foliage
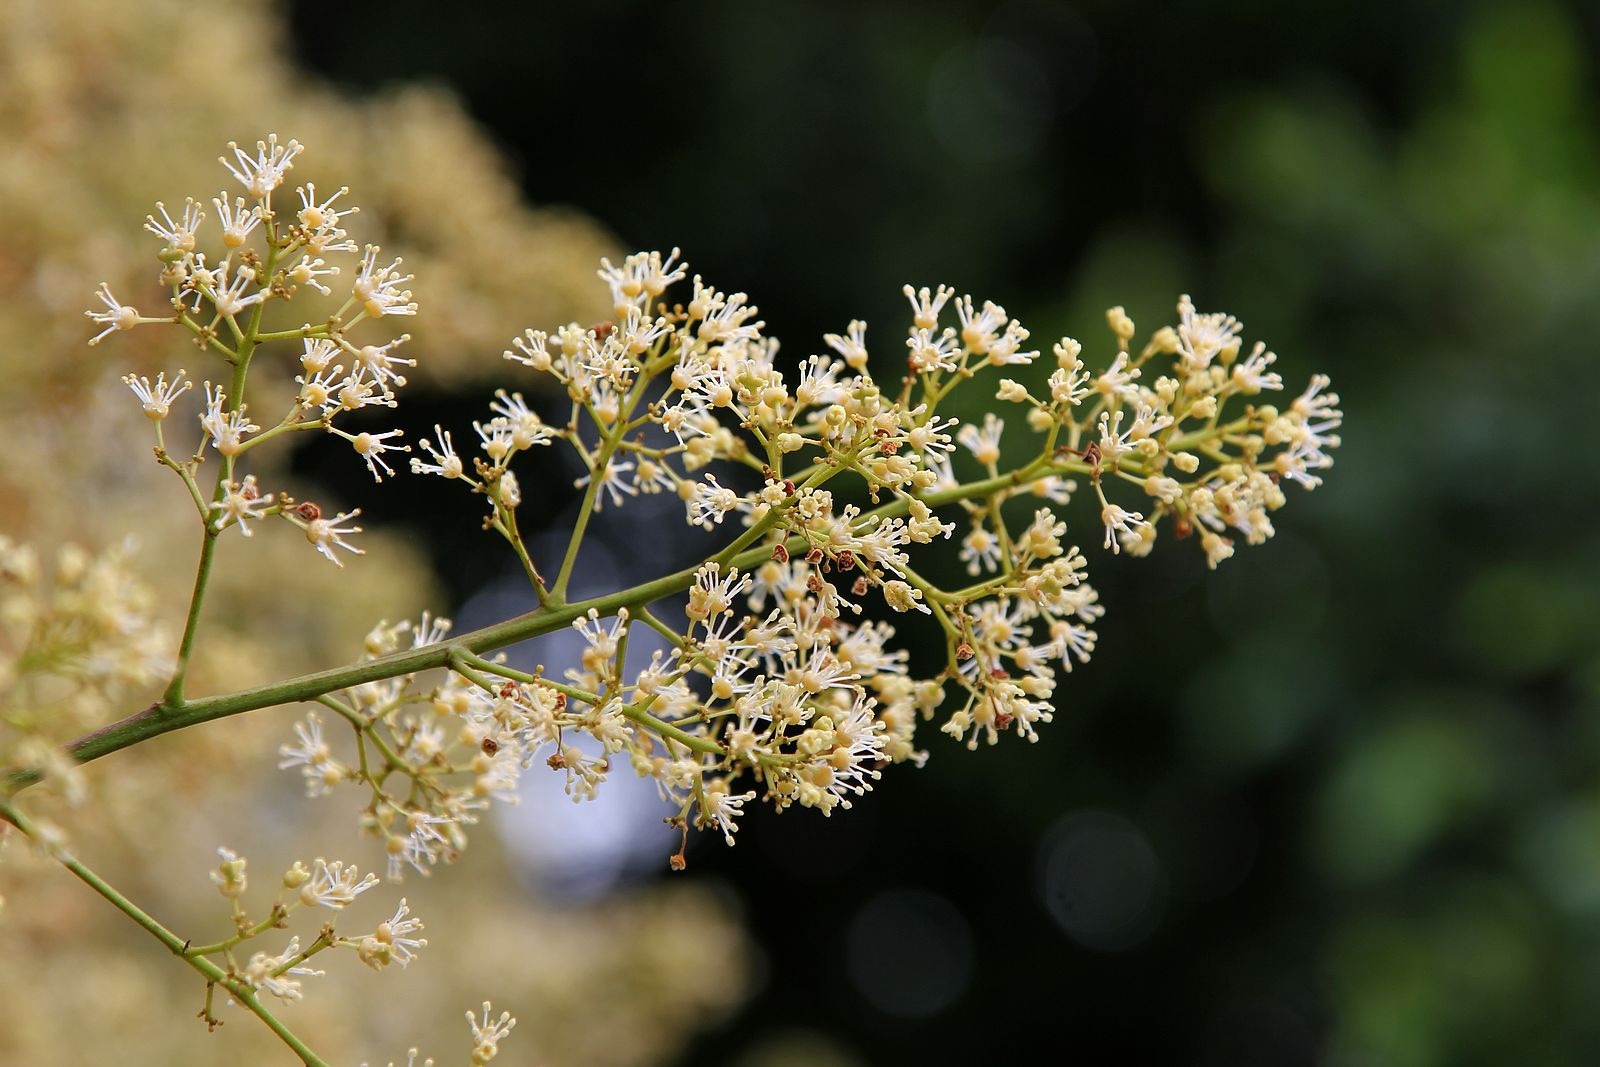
(106, 110)
(1448, 272)
(1374, 816)
(103, 110)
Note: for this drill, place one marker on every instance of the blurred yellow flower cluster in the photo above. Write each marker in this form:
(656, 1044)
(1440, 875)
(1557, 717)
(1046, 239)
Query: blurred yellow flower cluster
(104, 109)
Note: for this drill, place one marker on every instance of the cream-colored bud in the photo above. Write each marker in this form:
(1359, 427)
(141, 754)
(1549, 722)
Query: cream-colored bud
(1120, 324)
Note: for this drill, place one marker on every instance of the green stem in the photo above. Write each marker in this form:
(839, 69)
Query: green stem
(1189, 440)
(648, 617)
(635, 712)
(599, 464)
(161, 719)
(244, 935)
(506, 523)
(174, 944)
(173, 697)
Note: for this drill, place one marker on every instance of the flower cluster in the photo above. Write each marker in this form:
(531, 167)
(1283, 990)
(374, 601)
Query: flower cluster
(781, 680)
(265, 255)
(846, 501)
(75, 638)
(333, 886)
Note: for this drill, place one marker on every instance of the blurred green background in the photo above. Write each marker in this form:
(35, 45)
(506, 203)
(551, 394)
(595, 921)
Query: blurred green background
(1338, 803)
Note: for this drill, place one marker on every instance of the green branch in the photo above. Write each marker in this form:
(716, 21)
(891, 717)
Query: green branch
(213, 974)
(162, 718)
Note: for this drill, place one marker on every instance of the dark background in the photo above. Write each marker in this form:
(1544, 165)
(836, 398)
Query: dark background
(1338, 802)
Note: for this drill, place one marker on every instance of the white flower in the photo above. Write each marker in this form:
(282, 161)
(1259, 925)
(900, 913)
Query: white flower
(445, 463)
(715, 593)
(392, 942)
(261, 972)
(229, 877)
(642, 277)
(318, 353)
(1116, 382)
(1006, 349)
(1202, 337)
(327, 535)
(724, 318)
(719, 808)
(1251, 376)
(180, 235)
(984, 444)
(980, 550)
(156, 400)
(225, 428)
(264, 172)
(237, 220)
(1112, 444)
(853, 345)
(313, 755)
(380, 365)
(1147, 422)
(228, 297)
(117, 316)
(925, 305)
(320, 390)
(333, 885)
(1218, 548)
(308, 270)
(242, 501)
(1118, 521)
(532, 350)
(371, 447)
(709, 502)
(979, 329)
(614, 483)
(928, 353)
(377, 289)
(902, 597)
(526, 426)
(486, 1035)
(321, 221)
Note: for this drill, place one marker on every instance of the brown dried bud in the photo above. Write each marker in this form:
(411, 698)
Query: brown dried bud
(309, 511)
(860, 587)
(490, 746)
(963, 651)
(780, 552)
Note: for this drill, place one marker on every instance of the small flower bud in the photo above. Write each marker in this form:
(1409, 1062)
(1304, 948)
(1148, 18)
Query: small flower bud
(1120, 324)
